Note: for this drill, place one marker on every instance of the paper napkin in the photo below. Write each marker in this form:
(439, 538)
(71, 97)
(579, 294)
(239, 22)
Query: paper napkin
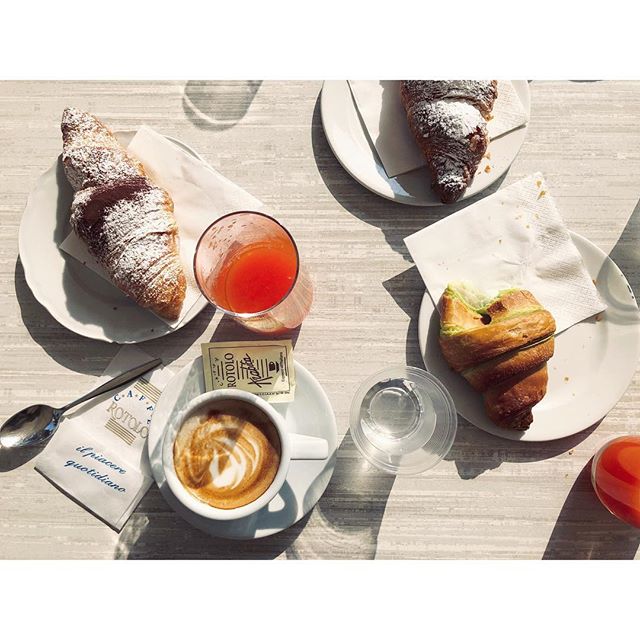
(98, 455)
(200, 196)
(385, 120)
(513, 238)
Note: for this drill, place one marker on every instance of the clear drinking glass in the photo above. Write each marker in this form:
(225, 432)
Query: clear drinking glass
(403, 420)
(246, 258)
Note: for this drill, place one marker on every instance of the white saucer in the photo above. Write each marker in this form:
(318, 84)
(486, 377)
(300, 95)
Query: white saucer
(309, 414)
(350, 143)
(74, 295)
(593, 363)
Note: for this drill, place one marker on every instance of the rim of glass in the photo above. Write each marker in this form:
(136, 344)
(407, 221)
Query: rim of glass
(448, 430)
(253, 314)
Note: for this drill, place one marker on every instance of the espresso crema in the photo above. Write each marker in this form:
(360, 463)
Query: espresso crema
(227, 455)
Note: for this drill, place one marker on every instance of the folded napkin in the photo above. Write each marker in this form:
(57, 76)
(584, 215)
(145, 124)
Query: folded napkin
(200, 196)
(98, 455)
(385, 120)
(513, 238)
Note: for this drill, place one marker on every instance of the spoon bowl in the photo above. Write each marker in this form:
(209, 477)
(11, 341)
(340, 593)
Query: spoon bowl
(30, 427)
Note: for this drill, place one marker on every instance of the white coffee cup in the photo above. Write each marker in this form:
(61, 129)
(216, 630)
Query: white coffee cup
(293, 446)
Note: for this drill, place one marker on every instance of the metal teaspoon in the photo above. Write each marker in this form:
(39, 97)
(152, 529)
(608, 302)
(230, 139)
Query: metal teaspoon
(37, 423)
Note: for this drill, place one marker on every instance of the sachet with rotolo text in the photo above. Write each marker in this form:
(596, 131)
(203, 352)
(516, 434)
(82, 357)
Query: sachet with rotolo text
(263, 367)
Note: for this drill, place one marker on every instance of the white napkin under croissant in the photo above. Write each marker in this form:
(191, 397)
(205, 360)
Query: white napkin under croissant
(385, 120)
(513, 238)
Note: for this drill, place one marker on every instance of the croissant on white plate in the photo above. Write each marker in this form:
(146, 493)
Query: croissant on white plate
(126, 221)
(448, 119)
(501, 346)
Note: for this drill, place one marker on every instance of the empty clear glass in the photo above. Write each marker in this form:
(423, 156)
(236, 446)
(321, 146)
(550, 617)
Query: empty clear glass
(403, 420)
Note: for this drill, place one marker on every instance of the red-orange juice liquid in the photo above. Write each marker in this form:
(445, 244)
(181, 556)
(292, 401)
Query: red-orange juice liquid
(616, 478)
(257, 278)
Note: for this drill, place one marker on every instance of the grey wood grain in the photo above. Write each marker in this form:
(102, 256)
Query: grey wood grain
(491, 498)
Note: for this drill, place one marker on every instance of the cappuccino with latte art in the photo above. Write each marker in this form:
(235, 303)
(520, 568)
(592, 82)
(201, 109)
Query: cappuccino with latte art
(227, 456)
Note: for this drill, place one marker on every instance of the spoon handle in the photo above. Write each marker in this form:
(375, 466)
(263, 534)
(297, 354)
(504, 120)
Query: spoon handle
(116, 382)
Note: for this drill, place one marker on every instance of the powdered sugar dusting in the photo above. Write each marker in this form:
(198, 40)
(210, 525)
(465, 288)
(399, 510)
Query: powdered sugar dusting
(79, 127)
(128, 234)
(88, 166)
(447, 118)
(480, 93)
(124, 219)
(450, 118)
(91, 154)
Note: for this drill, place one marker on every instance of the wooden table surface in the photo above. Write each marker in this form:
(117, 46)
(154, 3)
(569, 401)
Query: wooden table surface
(491, 498)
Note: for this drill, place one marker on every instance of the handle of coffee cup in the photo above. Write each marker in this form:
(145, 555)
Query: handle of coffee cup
(302, 448)
(308, 447)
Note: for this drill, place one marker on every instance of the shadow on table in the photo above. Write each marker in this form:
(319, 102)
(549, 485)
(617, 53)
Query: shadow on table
(475, 451)
(407, 290)
(585, 530)
(88, 356)
(626, 252)
(395, 220)
(218, 104)
(228, 330)
(157, 532)
(65, 347)
(345, 523)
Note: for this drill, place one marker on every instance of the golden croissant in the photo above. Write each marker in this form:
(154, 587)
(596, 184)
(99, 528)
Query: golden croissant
(125, 220)
(501, 346)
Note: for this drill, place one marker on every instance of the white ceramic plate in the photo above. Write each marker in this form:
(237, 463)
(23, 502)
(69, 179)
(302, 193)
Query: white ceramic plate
(309, 414)
(74, 295)
(350, 143)
(593, 363)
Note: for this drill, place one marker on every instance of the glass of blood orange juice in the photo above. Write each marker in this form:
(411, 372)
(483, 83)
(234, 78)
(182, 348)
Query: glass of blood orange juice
(615, 475)
(247, 264)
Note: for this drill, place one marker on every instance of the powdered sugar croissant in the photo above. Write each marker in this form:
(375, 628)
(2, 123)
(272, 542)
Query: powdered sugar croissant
(448, 120)
(126, 221)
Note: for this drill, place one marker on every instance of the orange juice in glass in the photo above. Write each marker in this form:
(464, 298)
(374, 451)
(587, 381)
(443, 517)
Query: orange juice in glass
(247, 264)
(615, 475)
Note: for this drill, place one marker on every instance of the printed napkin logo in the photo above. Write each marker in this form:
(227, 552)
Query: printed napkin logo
(130, 411)
(97, 473)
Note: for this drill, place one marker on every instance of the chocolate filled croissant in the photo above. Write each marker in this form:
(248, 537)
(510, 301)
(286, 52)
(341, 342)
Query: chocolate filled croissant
(448, 120)
(501, 346)
(125, 220)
